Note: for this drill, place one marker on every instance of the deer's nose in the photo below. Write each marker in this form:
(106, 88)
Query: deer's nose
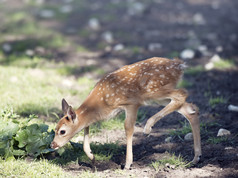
(54, 145)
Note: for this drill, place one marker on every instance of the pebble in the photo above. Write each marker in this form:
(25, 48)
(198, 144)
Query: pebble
(210, 64)
(168, 139)
(46, 13)
(187, 54)
(233, 108)
(29, 52)
(66, 9)
(136, 8)
(94, 24)
(108, 36)
(7, 47)
(199, 19)
(154, 46)
(188, 137)
(118, 47)
(223, 132)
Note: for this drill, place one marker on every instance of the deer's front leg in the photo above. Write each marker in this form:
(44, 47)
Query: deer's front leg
(131, 115)
(86, 145)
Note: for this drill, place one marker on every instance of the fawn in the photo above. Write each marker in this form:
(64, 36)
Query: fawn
(127, 89)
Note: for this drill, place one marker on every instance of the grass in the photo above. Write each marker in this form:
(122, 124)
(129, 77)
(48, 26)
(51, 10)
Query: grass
(172, 160)
(224, 64)
(22, 168)
(216, 140)
(181, 132)
(217, 100)
(184, 84)
(194, 70)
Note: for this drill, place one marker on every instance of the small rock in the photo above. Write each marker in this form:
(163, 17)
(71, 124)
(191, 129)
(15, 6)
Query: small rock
(118, 47)
(215, 58)
(233, 108)
(108, 36)
(188, 137)
(136, 8)
(223, 132)
(168, 139)
(219, 49)
(199, 19)
(7, 47)
(29, 52)
(66, 9)
(94, 24)
(187, 54)
(209, 66)
(154, 46)
(46, 13)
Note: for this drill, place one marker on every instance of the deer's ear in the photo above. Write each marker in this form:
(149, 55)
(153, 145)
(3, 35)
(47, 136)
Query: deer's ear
(71, 114)
(65, 106)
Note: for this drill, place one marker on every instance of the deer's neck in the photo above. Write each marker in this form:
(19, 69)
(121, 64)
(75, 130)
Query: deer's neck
(92, 110)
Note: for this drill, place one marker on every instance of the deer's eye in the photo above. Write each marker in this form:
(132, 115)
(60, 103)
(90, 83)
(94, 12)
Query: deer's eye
(62, 132)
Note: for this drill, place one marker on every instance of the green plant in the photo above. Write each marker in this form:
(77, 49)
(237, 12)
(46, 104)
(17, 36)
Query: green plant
(217, 100)
(176, 161)
(224, 64)
(19, 138)
(181, 132)
(194, 70)
(184, 84)
(216, 140)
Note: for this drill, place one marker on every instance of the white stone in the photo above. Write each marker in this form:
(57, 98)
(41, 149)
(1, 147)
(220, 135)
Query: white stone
(209, 66)
(46, 13)
(29, 52)
(7, 47)
(168, 139)
(154, 46)
(118, 47)
(136, 8)
(94, 24)
(215, 58)
(199, 19)
(187, 54)
(108, 36)
(188, 137)
(233, 108)
(66, 9)
(223, 132)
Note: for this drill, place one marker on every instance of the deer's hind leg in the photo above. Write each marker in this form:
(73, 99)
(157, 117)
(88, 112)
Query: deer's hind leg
(178, 97)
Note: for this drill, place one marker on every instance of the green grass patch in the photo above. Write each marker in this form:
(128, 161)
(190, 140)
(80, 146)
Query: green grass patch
(194, 70)
(216, 140)
(22, 168)
(217, 100)
(184, 84)
(176, 161)
(224, 64)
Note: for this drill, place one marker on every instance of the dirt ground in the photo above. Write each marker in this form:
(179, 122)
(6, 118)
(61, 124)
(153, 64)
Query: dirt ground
(163, 28)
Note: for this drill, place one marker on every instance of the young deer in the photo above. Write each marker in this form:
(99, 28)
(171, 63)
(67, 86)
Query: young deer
(128, 88)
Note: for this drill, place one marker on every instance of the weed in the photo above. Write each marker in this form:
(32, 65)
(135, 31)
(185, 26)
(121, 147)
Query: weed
(217, 100)
(194, 70)
(216, 140)
(224, 64)
(184, 84)
(180, 133)
(177, 161)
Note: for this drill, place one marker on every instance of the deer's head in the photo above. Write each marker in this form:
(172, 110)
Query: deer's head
(66, 128)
